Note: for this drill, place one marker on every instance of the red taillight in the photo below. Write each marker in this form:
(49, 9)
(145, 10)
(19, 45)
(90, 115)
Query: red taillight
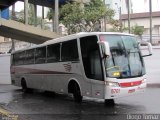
(130, 84)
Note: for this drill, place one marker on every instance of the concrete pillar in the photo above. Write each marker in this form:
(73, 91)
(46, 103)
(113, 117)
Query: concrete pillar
(42, 23)
(56, 16)
(0, 13)
(53, 20)
(13, 12)
(35, 14)
(26, 12)
(13, 45)
(0, 16)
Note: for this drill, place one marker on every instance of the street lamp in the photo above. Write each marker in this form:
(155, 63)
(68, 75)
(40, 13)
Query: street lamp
(105, 29)
(128, 6)
(119, 11)
(150, 12)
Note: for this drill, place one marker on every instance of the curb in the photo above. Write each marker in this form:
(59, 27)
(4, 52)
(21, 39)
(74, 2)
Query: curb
(152, 48)
(153, 85)
(6, 115)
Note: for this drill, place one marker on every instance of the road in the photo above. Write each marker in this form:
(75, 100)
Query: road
(48, 106)
(42, 106)
(153, 67)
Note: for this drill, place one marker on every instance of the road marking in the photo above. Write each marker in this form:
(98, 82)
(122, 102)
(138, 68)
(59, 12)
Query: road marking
(6, 115)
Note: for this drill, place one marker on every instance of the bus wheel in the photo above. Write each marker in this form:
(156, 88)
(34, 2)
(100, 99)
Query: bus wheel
(24, 86)
(109, 102)
(77, 94)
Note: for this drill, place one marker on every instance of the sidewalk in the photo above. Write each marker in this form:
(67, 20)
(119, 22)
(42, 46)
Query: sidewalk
(153, 85)
(156, 47)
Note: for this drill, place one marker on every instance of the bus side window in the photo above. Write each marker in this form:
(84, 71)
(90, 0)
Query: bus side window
(53, 53)
(15, 59)
(12, 59)
(19, 58)
(91, 57)
(29, 57)
(70, 51)
(40, 55)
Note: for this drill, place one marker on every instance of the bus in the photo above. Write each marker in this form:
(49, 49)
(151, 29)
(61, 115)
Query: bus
(101, 65)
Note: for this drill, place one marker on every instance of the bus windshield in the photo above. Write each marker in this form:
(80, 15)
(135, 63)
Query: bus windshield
(125, 60)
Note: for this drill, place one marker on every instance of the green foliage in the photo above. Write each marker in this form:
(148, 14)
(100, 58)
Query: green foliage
(50, 14)
(117, 27)
(137, 30)
(71, 13)
(94, 11)
(78, 16)
(31, 21)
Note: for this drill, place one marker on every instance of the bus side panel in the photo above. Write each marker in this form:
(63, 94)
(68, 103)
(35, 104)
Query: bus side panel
(56, 77)
(15, 80)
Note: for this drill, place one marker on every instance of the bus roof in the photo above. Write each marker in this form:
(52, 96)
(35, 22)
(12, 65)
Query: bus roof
(73, 36)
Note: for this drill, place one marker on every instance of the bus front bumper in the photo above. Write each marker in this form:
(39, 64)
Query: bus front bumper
(116, 92)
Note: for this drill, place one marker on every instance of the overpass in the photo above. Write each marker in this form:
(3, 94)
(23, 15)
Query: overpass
(6, 3)
(46, 3)
(25, 32)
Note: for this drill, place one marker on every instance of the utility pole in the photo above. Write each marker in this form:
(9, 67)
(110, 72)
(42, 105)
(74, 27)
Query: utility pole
(120, 20)
(26, 12)
(129, 28)
(119, 13)
(150, 11)
(13, 18)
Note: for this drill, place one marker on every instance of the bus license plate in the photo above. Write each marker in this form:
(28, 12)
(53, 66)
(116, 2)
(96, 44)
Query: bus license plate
(131, 91)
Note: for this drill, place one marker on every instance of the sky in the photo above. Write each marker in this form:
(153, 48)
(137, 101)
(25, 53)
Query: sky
(138, 6)
(143, 5)
(20, 6)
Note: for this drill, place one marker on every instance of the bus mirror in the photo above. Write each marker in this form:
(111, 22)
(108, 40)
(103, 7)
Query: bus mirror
(145, 45)
(106, 48)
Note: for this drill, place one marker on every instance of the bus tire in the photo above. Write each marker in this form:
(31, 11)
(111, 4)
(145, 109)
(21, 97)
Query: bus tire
(24, 86)
(77, 93)
(109, 102)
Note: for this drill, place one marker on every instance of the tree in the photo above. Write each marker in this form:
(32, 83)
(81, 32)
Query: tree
(20, 16)
(137, 30)
(50, 14)
(78, 16)
(117, 26)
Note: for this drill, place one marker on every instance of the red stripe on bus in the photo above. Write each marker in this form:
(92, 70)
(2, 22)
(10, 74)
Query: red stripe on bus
(18, 70)
(131, 84)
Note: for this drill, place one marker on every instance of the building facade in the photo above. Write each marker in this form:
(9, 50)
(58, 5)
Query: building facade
(6, 45)
(143, 20)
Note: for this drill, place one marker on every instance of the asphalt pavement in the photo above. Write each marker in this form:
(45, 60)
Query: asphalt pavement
(48, 106)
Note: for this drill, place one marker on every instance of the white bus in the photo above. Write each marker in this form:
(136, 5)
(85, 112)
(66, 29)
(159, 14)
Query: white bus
(97, 64)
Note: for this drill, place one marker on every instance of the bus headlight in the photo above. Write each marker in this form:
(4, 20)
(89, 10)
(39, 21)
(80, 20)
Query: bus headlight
(112, 84)
(144, 80)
